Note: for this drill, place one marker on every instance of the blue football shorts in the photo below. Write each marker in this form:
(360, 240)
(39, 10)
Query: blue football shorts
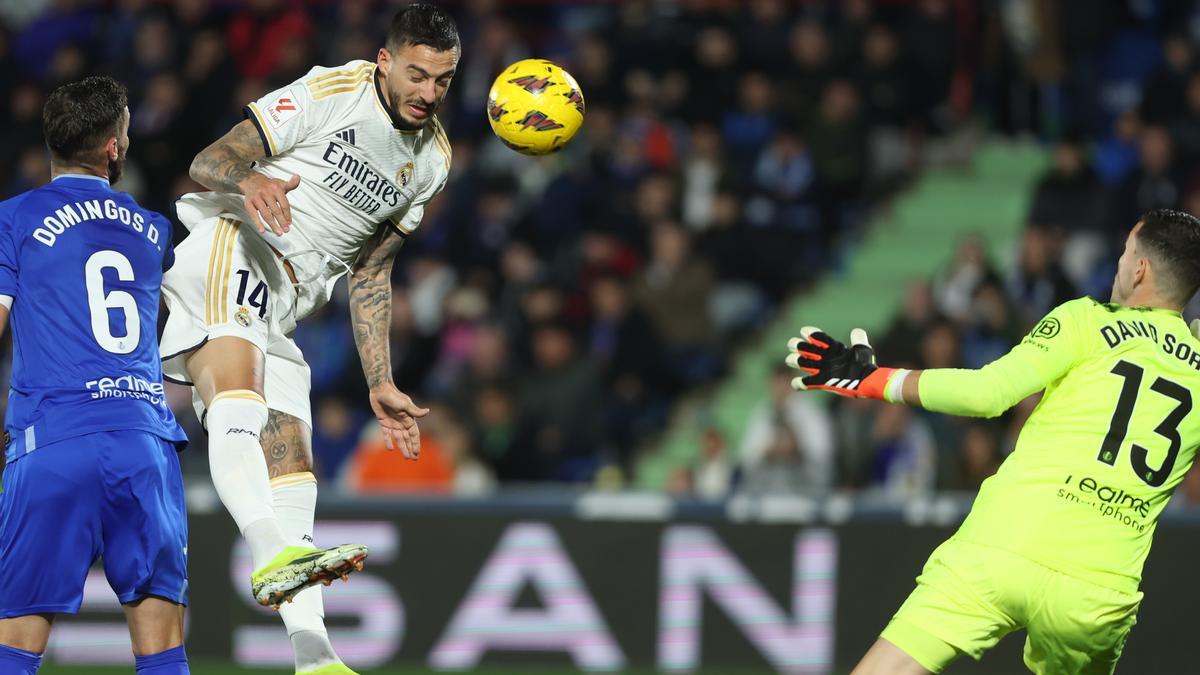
(114, 494)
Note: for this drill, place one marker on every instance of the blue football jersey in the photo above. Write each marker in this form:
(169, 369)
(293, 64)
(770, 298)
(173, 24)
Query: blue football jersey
(83, 264)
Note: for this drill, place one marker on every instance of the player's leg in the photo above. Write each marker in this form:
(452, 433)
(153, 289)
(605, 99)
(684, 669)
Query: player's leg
(55, 489)
(228, 375)
(145, 537)
(23, 640)
(228, 378)
(156, 630)
(234, 378)
(885, 658)
(213, 340)
(287, 447)
(155, 625)
(225, 294)
(957, 608)
(1078, 628)
(30, 632)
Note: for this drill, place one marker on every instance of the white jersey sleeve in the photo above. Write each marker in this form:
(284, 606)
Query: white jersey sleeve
(301, 110)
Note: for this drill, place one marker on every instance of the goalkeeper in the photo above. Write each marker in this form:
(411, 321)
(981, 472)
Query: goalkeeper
(1056, 540)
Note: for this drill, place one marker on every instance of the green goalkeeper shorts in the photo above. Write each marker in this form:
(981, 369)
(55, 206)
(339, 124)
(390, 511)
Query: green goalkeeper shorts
(969, 596)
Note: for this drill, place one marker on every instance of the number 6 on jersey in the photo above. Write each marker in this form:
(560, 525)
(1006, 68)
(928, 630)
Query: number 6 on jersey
(100, 302)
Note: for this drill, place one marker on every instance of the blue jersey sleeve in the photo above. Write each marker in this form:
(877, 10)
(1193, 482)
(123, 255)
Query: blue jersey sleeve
(8, 253)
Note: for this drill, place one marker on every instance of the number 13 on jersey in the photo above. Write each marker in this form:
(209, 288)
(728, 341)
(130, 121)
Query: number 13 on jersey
(1168, 428)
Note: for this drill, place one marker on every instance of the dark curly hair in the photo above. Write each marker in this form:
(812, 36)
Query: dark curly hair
(79, 117)
(423, 24)
(1172, 238)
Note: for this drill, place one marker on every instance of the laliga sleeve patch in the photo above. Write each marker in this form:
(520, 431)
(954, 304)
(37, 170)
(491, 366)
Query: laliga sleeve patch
(284, 107)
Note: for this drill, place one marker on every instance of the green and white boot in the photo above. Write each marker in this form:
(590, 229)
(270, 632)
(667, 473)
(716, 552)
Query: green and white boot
(297, 567)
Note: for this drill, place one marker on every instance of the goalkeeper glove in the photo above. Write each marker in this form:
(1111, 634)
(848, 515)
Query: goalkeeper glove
(846, 371)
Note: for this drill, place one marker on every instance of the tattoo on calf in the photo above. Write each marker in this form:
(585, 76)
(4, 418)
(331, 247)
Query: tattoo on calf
(287, 445)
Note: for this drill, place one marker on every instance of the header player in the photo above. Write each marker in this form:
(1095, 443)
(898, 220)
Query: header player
(1056, 540)
(333, 171)
(90, 442)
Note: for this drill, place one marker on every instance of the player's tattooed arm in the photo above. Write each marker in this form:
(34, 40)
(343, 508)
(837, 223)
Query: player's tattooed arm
(228, 166)
(371, 304)
(225, 164)
(371, 314)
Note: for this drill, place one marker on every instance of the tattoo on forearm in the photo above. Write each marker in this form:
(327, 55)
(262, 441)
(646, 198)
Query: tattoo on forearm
(371, 306)
(223, 165)
(286, 444)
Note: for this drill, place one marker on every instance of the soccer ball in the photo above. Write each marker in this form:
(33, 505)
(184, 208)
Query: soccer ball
(535, 107)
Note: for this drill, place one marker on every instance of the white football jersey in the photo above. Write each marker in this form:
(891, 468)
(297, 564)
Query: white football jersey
(357, 172)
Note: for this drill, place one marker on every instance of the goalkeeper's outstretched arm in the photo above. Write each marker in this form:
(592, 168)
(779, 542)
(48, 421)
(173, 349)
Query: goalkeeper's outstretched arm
(850, 370)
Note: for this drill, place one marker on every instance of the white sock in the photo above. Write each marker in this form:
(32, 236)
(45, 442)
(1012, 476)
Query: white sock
(235, 421)
(295, 498)
(312, 650)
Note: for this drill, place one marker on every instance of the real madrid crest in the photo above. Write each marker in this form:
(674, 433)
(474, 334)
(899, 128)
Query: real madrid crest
(405, 174)
(242, 317)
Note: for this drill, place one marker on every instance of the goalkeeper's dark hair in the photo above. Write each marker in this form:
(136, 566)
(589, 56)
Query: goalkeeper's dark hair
(423, 24)
(1172, 238)
(80, 117)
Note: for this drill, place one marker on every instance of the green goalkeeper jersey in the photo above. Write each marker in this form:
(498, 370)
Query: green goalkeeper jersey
(1099, 458)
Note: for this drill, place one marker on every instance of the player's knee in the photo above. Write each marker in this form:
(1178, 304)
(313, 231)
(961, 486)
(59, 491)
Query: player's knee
(27, 633)
(155, 625)
(226, 363)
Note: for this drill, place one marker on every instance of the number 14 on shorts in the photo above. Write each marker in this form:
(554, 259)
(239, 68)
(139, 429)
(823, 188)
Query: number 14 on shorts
(257, 298)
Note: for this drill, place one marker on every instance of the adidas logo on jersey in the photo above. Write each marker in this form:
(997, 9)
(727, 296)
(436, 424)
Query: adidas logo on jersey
(346, 135)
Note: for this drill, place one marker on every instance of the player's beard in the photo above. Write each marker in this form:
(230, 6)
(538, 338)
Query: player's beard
(402, 122)
(115, 169)
(404, 125)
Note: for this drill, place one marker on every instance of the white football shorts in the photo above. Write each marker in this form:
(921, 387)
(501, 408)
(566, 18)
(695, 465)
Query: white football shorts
(226, 281)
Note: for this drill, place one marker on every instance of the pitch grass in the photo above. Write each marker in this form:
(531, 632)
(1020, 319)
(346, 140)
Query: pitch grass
(227, 669)
(203, 668)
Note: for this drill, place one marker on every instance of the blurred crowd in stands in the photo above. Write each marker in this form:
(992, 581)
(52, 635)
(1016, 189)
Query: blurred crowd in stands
(1114, 91)
(552, 311)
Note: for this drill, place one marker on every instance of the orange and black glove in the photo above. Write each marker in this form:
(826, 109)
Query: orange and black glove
(844, 370)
